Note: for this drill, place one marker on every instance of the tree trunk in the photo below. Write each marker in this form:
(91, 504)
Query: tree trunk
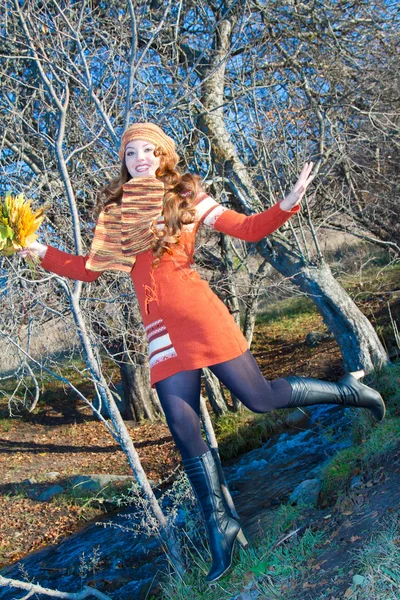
(357, 339)
(250, 321)
(140, 401)
(359, 344)
(214, 393)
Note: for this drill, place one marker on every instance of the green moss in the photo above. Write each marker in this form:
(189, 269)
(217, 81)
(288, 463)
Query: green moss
(383, 440)
(336, 475)
(6, 425)
(387, 381)
(241, 432)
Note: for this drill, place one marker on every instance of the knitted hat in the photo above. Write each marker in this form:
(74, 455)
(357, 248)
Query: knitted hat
(149, 132)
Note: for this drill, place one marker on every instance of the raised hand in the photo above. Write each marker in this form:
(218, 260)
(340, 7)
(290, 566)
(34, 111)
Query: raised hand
(300, 188)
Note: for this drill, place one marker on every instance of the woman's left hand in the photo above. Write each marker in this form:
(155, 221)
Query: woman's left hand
(301, 185)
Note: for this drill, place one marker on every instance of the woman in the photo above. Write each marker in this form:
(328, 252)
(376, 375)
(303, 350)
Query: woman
(147, 227)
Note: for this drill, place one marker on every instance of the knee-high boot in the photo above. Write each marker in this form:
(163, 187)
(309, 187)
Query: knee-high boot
(222, 528)
(348, 391)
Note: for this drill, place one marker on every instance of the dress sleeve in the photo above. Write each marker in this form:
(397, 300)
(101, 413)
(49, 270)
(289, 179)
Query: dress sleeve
(68, 265)
(251, 228)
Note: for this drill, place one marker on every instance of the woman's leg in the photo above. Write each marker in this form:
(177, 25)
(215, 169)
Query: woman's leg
(243, 377)
(180, 399)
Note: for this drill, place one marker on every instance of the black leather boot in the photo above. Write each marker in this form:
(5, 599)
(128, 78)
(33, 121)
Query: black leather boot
(222, 528)
(348, 391)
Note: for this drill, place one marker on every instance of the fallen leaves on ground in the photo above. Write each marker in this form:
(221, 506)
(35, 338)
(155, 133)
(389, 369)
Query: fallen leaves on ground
(29, 450)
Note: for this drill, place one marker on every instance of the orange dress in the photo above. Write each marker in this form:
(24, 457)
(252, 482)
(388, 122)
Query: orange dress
(187, 325)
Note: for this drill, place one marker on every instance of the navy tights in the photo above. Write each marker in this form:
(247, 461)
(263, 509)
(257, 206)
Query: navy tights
(180, 398)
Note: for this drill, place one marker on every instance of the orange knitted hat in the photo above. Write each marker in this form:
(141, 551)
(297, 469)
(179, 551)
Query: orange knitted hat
(150, 133)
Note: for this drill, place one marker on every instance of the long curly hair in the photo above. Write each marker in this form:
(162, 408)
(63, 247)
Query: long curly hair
(178, 209)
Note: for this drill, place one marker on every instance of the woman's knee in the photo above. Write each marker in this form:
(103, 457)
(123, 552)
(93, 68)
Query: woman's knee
(183, 429)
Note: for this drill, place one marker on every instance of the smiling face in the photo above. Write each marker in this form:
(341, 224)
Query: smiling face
(140, 160)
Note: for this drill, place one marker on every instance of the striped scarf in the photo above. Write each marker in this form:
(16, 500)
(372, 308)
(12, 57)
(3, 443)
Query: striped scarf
(125, 229)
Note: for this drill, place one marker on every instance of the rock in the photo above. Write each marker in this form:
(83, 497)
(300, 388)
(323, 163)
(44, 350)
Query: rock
(95, 483)
(297, 418)
(48, 494)
(359, 580)
(52, 475)
(315, 338)
(30, 481)
(306, 493)
(33, 492)
(356, 482)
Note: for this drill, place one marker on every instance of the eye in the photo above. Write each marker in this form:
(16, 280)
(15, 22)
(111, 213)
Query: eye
(130, 152)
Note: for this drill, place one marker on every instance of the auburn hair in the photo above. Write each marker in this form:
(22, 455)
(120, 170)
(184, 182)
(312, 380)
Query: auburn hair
(181, 190)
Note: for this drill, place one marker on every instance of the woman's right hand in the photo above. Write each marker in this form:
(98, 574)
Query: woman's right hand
(35, 248)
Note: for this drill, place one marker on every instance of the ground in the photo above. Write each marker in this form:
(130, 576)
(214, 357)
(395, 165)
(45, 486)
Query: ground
(361, 515)
(62, 436)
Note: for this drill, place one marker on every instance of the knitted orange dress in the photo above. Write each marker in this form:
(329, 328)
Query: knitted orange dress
(187, 325)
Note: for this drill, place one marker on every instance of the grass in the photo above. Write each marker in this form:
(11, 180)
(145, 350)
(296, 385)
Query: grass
(378, 565)
(241, 432)
(374, 443)
(381, 443)
(287, 310)
(337, 474)
(270, 567)
(72, 368)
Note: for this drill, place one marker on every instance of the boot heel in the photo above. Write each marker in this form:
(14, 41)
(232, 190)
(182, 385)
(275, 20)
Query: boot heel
(357, 374)
(241, 538)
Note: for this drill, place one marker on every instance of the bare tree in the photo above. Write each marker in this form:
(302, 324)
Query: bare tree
(247, 90)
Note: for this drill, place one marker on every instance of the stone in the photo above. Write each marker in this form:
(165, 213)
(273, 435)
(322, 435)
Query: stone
(30, 481)
(356, 482)
(307, 493)
(359, 580)
(95, 483)
(315, 338)
(50, 492)
(52, 475)
(297, 418)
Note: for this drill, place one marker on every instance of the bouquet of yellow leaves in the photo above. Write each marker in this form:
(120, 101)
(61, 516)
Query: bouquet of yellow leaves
(18, 223)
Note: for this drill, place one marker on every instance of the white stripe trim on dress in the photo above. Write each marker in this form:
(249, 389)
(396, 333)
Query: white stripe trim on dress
(153, 324)
(153, 332)
(161, 342)
(161, 356)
